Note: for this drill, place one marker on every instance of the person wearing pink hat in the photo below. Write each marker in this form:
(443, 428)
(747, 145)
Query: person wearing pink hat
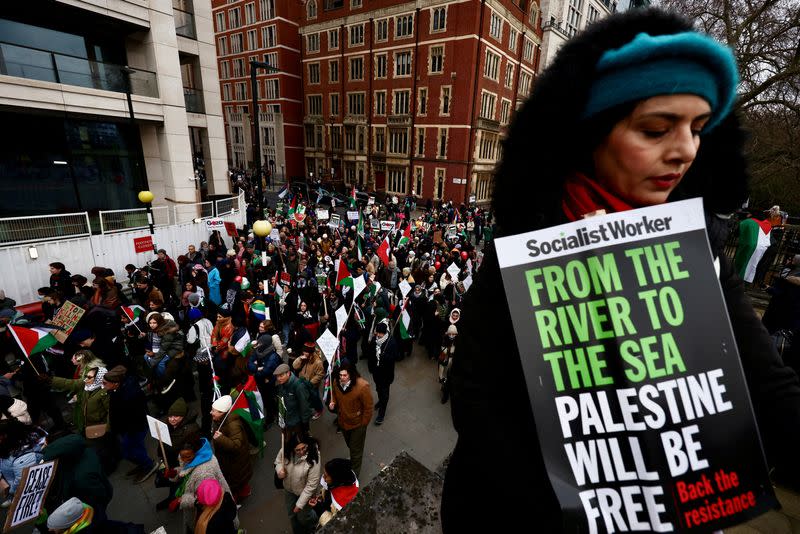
(216, 510)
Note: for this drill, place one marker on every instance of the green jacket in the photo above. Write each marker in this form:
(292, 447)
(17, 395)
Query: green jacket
(91, 407)
(78, 475)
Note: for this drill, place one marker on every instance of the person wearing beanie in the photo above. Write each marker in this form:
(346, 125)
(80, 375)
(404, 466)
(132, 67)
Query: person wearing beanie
(231, 447)
(128, 420)
(381, 364)
(182, 422)
(72, 516)
(11, 408)
(639, 113)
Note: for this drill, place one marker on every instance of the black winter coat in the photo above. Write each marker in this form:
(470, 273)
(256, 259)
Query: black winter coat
(128, 407)
(383, 371)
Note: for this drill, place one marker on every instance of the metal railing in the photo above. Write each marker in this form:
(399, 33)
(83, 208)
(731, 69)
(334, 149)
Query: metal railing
(228, 205)
(184, 23)
(113, 221)
(194, 100)
(18, 230)
(189, 212)
(35, 64)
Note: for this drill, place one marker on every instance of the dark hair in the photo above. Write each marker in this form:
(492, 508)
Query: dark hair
(78, 279)
(130, 267)
(57, 265)
(350, 368)
(45, 290)
(158, 318)
(341, 472)
(193, 442)
(312, 456)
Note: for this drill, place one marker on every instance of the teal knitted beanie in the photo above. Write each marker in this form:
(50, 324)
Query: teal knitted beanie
(680, 63)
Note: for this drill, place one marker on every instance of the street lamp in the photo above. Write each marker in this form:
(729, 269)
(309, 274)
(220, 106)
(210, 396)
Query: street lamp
(146, 198)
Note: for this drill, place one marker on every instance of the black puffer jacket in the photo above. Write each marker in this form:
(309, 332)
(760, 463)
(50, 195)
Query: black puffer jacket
(490, 406)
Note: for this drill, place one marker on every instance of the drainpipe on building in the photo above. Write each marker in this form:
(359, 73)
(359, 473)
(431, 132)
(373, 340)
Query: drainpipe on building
(412, 105)
(472, 133)
(369, 113)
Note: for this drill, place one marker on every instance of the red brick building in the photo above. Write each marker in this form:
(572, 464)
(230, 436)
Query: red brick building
(413, 97)
(266, 31)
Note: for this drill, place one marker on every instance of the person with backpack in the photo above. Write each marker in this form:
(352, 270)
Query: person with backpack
(198, 346)
(310, 370)
(231, 447)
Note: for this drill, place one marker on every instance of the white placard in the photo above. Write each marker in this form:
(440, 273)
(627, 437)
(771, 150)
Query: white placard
(453, 269)
(215, 224)
(275, 235)
(358, 285)
(328, 343)
(469, 265)
(387, 225)
(405, 287)
(322, 214)
(370, 201)
(467, 282)
(352, 215)
(157, 426)
(341, 318)
(263, 257)
(30, 495)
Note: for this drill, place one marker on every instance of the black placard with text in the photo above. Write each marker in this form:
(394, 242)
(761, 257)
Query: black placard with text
(633, 373)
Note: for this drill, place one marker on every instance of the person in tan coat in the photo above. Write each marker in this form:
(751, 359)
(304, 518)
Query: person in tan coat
(298, 465)
(309, 366)
(352, 400)
(231, 447)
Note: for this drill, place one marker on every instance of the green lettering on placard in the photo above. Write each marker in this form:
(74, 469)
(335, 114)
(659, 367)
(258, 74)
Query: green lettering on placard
(675, 261)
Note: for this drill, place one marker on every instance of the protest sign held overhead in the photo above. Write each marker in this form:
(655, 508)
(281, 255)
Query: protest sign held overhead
(633, 373)
(30, 495)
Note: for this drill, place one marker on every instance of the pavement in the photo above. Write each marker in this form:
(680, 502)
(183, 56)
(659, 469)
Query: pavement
(416, 422)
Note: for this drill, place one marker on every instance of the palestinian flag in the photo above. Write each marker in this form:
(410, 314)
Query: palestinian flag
(32, 340)
(373, 289)
(259, 310)
(383, 251)
(284, 190)
(250, 407)
(406, 238)
(292, 208)
(405, 322)
(343, 277)
(133, 312)
(353, 198)
(754, 240)
(242, 345)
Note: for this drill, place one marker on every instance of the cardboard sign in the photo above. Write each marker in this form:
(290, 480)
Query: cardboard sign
(387, 226)
(143, 244)
(322, 214)
(31, 494)
(66, 319)
(159, 430)
(452, 230)
(328, 343)
(352, 215)
(214, 224)
(335, 221)
(230, 227)
(642, 411)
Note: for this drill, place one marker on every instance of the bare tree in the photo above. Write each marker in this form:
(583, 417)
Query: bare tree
(765, 37)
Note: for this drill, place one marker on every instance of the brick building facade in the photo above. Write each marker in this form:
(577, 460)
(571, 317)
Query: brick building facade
(414, 97)
(265, 31)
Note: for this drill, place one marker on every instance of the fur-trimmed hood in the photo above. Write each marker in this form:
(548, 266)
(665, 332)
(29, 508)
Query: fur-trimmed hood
(547, 140)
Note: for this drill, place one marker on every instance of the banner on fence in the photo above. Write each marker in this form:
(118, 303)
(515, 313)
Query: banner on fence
(143, 244)
(215, 224)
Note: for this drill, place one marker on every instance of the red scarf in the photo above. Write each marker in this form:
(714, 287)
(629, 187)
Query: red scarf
(583, 195)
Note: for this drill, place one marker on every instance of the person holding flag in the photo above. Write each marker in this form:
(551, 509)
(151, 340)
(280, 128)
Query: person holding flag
(231, 446)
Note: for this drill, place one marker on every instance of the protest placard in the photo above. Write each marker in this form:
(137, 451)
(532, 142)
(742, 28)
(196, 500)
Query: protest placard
(322, 214)
(341, 317)
(214, 224)
(387, 226)
(352, 215)
(230, 228)
(66, 319)
(453, 270)
(642, 412)
(375, 224)
(159, 430)
(30, 495)
(404, 287)
(328, 343)
(370, 201)
(335, 221)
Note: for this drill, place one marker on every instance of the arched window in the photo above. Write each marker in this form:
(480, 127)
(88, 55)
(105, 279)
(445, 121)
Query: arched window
(312, 9)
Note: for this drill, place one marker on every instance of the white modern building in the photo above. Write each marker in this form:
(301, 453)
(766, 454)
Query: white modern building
(561, 19)
(100, 99)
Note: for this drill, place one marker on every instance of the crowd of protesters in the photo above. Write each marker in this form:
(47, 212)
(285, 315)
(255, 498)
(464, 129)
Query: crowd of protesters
(220, 343)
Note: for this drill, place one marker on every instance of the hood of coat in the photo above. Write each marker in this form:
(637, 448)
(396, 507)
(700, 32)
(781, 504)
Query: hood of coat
(718, 174)
(69, 448)
(170, 327)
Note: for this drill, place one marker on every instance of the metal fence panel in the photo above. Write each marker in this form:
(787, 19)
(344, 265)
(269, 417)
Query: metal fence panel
(16, 230)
